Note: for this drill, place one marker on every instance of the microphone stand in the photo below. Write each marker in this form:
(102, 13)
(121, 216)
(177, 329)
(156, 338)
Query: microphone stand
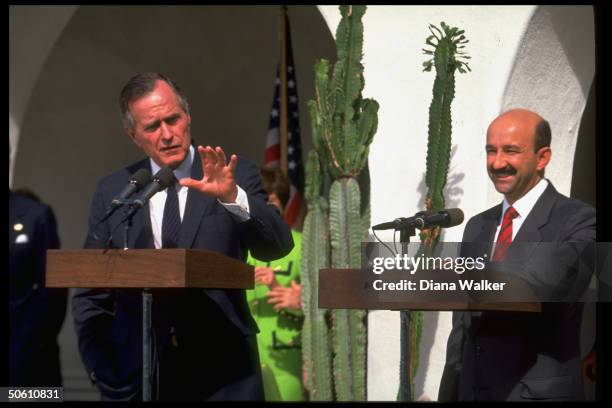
(147, 332)
(404, 392)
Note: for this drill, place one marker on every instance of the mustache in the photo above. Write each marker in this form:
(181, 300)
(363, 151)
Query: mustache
(504, 171)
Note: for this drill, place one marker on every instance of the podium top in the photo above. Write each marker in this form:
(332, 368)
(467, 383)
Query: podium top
(146, 268)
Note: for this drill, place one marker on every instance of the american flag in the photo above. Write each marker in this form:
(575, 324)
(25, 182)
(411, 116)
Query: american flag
(295, 209)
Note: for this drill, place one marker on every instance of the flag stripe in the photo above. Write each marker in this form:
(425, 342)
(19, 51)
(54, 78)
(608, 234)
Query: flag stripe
(295, 208)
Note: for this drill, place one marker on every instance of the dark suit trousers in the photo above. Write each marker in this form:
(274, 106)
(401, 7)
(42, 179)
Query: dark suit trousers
(209, 361)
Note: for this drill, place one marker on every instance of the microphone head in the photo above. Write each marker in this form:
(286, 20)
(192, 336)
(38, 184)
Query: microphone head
(165, 177)
(141, 178)
(454, 216)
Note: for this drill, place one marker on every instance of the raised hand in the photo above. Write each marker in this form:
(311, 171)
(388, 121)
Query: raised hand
(218, 180)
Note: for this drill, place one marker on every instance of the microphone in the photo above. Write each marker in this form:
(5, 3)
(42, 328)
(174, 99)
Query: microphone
(137, 181)
(425, 219)
(161, 180)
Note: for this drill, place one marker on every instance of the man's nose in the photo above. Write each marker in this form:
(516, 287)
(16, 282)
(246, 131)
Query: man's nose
(166, 134)
(499, 161)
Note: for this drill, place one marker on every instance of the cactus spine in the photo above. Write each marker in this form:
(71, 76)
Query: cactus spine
(343, 125)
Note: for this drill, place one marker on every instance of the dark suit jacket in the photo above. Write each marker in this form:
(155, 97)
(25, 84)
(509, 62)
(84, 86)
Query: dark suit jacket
(495, 355)
(36, 314)
(206, 323)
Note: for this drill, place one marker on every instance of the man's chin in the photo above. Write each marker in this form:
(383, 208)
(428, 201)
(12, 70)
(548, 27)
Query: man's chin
(502, 187)
(172, 161)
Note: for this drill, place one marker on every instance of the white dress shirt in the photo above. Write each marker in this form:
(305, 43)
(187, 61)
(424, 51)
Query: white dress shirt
(239, 209)
(523, 206)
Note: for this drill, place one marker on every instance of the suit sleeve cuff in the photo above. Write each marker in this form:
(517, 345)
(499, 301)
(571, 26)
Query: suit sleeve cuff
(240, 208)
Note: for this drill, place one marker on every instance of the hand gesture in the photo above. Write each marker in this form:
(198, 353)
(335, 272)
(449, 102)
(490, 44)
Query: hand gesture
(218, 180)
(282, 297)
(264, 275)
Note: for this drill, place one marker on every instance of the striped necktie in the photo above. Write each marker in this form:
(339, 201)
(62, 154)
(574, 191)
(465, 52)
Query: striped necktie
(504, 238)
(171, 223)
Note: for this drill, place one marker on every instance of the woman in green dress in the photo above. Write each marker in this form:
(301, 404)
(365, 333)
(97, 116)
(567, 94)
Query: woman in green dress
(275, 304)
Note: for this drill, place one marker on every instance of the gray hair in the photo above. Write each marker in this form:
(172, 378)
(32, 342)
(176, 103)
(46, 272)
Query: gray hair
(141, 85)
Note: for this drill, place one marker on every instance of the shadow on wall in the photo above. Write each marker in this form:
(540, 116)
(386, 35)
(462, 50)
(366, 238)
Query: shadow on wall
(452, 191)
(574, 42)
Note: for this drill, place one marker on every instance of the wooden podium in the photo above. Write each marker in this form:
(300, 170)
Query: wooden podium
(345, 289)
(146, 269)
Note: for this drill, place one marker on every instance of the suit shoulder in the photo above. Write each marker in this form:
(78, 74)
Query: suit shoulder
(572, 212)
(571, 205)
(28, 206)
(493, 212)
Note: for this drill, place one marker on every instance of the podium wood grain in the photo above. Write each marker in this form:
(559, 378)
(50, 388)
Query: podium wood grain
(146, 268)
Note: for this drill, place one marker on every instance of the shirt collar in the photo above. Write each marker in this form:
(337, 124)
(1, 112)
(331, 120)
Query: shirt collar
(182, 171)
(525, 204)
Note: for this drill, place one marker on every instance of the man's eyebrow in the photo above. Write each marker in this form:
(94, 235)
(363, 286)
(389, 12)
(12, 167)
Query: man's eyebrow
(151, 124)
(506, 146)
(173, 116)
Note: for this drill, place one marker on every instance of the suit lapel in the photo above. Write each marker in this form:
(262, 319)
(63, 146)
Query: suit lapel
(487, 231)
(197, 205)
(538, 217)
(530, 230)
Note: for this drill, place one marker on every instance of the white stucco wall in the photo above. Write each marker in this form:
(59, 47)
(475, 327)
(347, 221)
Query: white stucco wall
(552, 75)
(393, 39)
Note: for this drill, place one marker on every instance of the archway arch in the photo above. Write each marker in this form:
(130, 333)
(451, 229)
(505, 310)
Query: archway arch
(552, 75)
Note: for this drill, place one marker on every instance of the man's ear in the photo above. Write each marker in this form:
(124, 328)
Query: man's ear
(132, 135)
(544, 155)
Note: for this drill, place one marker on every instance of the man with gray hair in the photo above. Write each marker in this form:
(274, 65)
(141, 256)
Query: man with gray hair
(205, 339)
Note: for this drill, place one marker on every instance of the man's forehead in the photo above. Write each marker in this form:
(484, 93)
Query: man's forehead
(511, 131)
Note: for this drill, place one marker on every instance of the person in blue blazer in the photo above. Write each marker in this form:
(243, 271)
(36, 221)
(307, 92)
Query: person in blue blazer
(36, 314)
(204, 338)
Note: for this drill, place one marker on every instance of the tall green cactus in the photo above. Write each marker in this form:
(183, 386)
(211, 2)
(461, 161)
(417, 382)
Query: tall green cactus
(343, 126)
(316, 347)
(447, 56)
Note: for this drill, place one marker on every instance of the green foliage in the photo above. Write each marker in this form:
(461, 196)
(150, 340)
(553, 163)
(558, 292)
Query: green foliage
(343, 125)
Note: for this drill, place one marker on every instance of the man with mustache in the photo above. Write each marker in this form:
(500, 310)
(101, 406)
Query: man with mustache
(204, 338)
(521, 356)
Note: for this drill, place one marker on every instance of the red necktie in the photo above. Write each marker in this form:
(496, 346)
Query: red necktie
(504, 238)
